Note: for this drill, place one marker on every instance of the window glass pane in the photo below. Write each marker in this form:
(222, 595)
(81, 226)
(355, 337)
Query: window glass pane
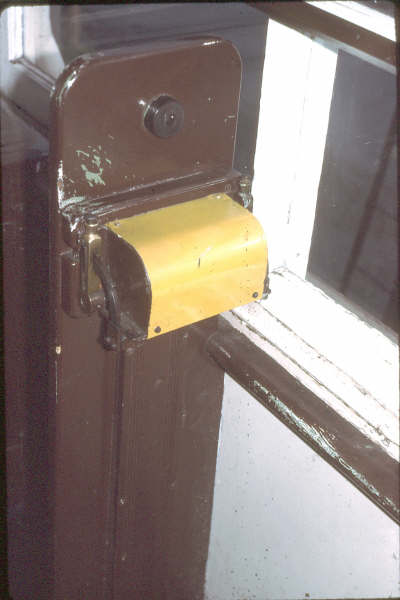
(354, 242)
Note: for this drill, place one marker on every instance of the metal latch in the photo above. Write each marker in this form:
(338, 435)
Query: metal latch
(158, 230)
(171, 267)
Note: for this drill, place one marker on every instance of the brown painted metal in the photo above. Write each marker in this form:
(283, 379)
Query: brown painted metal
(113, 454)
(168, 442)
(123, 424)
(348, 450)
(99, 107)
(80, 29)
(135, 431)
(25, 271)
(93, 413)
(68, 461)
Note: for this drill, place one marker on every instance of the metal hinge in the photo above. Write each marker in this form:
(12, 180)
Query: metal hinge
(98, 291)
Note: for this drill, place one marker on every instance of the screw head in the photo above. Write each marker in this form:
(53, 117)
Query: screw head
(157, 329)
(91, 221)
(255, 295)
(109, 343)
(164, 117)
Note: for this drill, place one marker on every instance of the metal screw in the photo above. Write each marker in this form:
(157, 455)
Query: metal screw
(109, 343)
(255, 295)
(164, 116)
(245, 191)
(91, 221)
(157, 329)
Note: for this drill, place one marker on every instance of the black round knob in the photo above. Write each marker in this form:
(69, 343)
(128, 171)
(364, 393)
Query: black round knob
(164, 117)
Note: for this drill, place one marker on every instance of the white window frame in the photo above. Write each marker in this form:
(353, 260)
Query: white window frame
(349, 363)
(16, 51)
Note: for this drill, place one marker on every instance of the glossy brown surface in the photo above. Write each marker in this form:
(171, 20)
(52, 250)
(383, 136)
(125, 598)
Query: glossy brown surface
(168, 444)
(102, 146)
(134, 432)
(25, 264)
(136, 439)
(111, 455)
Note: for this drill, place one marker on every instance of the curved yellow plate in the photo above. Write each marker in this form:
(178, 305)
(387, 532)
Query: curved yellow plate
(202, 257)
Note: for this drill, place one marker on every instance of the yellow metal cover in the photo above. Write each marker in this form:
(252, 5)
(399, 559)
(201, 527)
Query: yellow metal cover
(202, 257)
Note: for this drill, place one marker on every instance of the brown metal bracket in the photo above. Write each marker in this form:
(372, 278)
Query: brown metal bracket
(245, 195)
(120, 331)
(99, 290)
(90, 245)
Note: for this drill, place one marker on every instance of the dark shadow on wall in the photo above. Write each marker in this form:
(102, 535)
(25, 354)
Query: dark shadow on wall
(354, 243)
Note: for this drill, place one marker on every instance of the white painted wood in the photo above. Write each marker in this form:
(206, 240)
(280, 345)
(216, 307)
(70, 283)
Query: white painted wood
(40, 47)
(311, 147)
(20, 81)
(279, 131)
(295, 102)
(350, 365)
(14, 17)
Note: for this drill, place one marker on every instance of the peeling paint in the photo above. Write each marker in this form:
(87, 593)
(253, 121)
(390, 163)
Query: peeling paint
(318, 435)
(289, 415)
(92, 177)
(72, 200)
(392, 505)
(360, 477)
(96, 160)
(370, 430)
(94, 156)
(79, 152)
(60, 183)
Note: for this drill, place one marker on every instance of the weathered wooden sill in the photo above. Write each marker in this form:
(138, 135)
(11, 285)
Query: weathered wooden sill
(337, 441)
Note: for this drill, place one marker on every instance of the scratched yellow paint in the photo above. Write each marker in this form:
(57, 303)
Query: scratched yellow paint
(202, 257)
